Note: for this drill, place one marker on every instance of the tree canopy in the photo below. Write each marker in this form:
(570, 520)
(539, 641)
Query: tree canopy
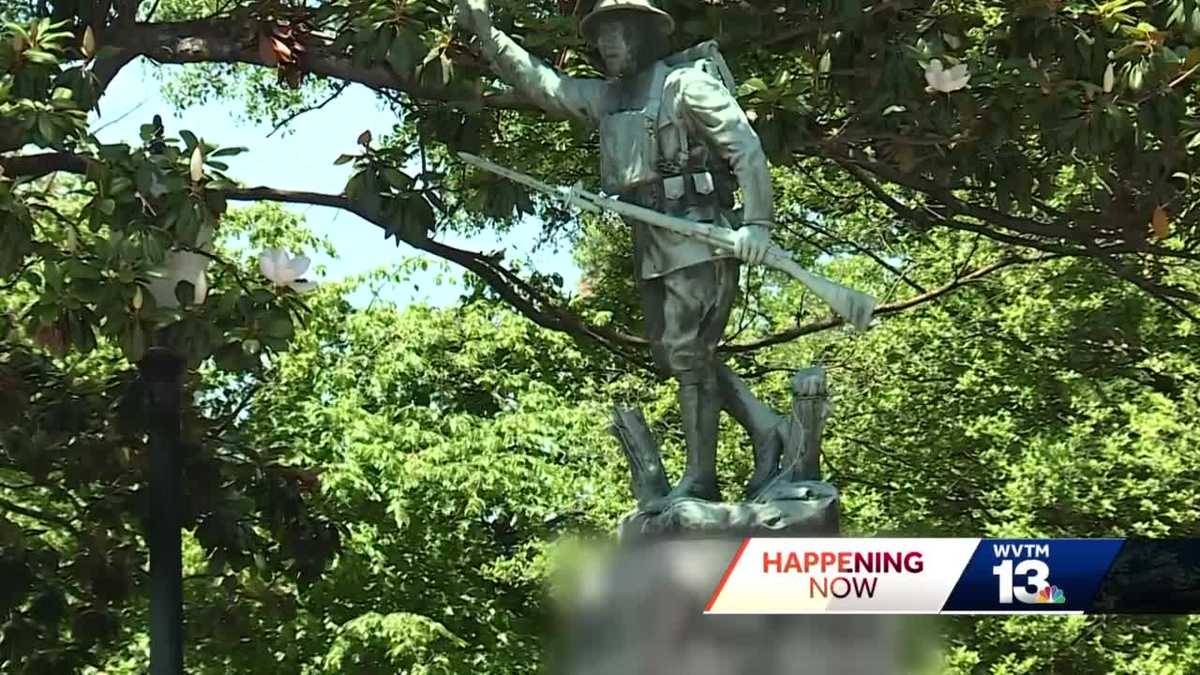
(1073, 138)
(379, 488)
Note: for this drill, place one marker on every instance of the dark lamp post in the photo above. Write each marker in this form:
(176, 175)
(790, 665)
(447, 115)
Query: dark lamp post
(162, 373)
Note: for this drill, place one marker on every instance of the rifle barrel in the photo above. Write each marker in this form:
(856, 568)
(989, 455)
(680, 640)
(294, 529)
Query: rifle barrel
(853, 306)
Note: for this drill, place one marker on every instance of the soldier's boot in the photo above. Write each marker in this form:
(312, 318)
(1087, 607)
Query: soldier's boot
(765, 427)
(700, 408)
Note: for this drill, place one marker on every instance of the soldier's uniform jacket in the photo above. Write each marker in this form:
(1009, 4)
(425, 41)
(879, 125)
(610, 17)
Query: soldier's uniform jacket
(684, 151)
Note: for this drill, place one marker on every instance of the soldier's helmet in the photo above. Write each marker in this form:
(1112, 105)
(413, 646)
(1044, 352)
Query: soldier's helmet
(603, 7)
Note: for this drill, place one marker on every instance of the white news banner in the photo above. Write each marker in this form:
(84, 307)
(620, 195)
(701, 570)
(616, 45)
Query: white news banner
(841, 576)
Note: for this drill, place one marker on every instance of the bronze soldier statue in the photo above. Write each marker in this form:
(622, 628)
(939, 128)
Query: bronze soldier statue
(674, 139)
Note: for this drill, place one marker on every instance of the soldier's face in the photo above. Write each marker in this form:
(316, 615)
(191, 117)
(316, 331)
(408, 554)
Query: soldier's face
(612, 40)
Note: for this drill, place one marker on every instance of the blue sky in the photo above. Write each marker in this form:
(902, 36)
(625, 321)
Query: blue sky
(303, 160)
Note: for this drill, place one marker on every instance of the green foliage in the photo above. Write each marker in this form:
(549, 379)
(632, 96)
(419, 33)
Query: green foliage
(381, 489)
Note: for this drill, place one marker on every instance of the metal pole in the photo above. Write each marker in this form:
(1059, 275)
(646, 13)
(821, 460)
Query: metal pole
(162, 371)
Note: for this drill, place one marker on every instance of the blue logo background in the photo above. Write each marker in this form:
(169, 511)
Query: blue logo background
(1076, 567)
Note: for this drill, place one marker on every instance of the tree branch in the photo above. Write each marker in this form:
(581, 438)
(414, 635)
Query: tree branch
(288, 120)
(859, 168)
(234, 39)
(38, 515)
(43, 164)
(897, 272)
(890, 308)
(530, 302)
(525, 298)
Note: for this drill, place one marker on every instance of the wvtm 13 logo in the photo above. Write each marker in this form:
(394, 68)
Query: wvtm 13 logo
(1023, 575)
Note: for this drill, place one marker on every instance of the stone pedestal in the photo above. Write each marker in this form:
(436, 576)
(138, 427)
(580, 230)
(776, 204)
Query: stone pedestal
(643, 614)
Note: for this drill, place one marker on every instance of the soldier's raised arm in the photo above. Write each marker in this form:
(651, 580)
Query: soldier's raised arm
(558, 94)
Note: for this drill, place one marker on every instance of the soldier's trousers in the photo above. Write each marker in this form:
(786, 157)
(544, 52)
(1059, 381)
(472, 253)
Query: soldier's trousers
(686, 312)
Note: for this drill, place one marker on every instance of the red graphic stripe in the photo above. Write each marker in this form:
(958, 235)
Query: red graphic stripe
(728, 571)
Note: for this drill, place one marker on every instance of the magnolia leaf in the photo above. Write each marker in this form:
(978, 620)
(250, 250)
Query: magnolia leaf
(1136, 74)
(364, 139)
(46, 127)
(133, 340)
(279, 326)
(396, 179)
(752, 85)
(40, 57)
(404, 53)
(89, 43)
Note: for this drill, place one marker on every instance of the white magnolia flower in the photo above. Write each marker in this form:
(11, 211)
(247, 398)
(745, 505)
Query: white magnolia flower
(183, 266)
(1110, 77)
(196, 165)
(943, 80)
(284, 270)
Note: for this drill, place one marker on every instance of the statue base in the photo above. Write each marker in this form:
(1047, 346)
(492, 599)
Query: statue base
(802, 509)
(641, 612)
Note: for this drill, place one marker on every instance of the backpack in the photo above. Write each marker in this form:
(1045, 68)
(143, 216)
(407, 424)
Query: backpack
(707, 56)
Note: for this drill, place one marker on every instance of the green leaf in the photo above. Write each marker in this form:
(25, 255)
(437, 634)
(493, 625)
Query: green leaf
(363, 190)
(120, 185)
(279, 326)
(751, 86)
(47, 128)
(396, 179)
(40, 57)
(133, 341)
(406, 49)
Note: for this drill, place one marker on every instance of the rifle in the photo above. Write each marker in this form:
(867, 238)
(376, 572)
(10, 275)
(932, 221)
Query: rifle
(853, 306)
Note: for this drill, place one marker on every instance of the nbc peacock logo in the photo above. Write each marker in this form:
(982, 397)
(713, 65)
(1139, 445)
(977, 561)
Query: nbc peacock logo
(1051, 595)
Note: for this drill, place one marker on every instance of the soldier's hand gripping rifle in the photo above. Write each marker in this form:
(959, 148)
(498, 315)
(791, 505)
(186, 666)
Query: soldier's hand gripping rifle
(851, 305)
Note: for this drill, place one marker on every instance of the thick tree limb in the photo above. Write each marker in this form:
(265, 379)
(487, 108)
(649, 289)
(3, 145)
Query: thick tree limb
(43, 164)
(235, 40)
(530, 302)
